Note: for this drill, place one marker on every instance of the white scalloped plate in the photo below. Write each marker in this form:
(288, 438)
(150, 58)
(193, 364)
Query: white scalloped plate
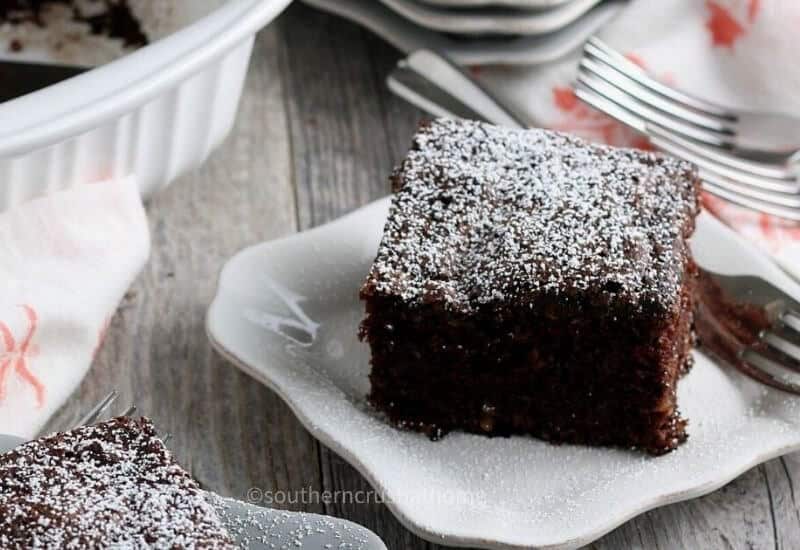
(287, 312)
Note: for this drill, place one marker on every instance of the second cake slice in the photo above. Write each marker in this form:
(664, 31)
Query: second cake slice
(113, 485)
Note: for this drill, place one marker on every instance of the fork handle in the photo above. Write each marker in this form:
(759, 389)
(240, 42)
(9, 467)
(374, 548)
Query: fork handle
(441, 87)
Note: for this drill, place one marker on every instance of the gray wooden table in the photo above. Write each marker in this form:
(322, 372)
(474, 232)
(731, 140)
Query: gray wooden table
(316, 136)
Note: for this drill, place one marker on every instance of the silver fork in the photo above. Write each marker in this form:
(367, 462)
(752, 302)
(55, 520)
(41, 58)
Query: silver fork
(648, 119)
(771, 354)
(771, 188)
(95, 412)
(767, 137)
(779, 196)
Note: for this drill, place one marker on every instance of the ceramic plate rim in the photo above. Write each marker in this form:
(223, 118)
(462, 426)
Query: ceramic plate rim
(495, 19)
(731, 469)
(522, 51)
(516, 4)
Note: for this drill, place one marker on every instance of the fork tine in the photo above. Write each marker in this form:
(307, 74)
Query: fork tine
(766, 370)
(613, 69)
(731, 190)
(610, 75)
(769, 355)
(697, 150)
(610, 108)
(779, 198)
(785, 347)
(738, 199)
(649, 115)
(129, 411)
(710, 152)
(683, 149)
(98, 409)
(791, 319)
(601, 51)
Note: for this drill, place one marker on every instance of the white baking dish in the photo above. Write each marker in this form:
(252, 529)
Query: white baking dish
(156, 112)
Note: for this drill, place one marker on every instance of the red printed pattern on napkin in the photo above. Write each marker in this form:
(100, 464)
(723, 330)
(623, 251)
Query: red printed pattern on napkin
(580, 119)
(724, 27)
(15, 355)
(101, 336)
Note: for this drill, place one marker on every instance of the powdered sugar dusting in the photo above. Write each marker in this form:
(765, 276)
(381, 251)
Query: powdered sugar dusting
(483, 214)
(110, 485)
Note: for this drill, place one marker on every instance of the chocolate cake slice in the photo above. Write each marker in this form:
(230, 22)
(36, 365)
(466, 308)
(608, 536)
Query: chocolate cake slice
(529, 282)
(113, 485)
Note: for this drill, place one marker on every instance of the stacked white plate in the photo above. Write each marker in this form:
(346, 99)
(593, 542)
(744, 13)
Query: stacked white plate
(481, 31)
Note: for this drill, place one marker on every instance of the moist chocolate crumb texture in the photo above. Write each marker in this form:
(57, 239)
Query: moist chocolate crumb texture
(529, 282)
(113, 485)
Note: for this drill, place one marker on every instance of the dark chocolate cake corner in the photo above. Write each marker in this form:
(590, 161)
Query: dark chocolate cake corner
(113, 485)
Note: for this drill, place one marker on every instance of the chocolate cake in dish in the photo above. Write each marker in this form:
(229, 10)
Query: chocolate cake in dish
(529, 282)
(112, 18)
(113, 485)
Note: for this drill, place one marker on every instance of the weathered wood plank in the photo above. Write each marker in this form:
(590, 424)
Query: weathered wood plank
(781, 477)
(736, 516)
(347, 133)
(339, 112)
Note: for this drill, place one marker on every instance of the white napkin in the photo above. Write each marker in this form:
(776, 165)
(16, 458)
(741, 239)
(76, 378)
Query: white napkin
(65, 263)
(742, 53)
